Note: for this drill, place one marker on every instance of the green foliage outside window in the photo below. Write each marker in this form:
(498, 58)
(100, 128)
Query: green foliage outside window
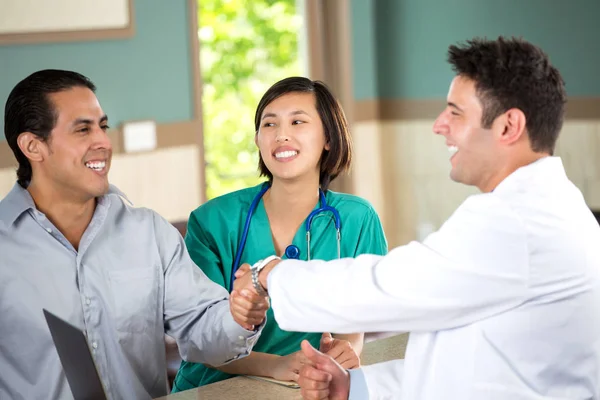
(245, 47)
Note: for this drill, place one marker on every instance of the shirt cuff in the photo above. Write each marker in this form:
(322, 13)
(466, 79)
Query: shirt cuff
(358, 385)
(242, 337)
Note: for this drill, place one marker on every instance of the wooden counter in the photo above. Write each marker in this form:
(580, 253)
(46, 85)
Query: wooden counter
(241, 387)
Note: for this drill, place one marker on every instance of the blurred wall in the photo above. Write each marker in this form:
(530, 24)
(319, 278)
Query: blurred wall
(151, 75)
(146, 76)
(401, 79)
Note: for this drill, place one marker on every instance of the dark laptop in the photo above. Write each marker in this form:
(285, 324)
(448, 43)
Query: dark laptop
(76, 359)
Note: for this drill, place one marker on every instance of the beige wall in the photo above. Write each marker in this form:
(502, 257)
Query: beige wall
(166, 180)
(8, 177)
(402, 168)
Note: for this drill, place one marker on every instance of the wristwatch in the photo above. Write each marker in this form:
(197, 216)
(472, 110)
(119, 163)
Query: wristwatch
(256, 268)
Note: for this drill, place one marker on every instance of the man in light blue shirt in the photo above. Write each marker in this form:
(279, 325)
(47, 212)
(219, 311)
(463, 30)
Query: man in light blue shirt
(71, 243)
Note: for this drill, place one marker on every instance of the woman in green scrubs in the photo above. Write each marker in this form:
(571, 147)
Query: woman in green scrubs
(304, 143)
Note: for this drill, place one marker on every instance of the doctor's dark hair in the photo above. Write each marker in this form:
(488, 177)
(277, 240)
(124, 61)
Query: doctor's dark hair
(513, 73)
(29, 109)
(335, 126)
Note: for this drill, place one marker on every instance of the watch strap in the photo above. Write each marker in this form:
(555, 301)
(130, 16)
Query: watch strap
(255, 270)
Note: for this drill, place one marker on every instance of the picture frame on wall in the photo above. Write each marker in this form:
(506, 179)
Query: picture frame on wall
(42, 21)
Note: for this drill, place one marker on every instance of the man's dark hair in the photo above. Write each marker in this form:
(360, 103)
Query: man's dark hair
(29, 109)
(513, 73)
(335, 126)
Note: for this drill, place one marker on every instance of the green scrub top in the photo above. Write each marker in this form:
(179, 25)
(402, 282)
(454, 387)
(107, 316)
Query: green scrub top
(213, 235)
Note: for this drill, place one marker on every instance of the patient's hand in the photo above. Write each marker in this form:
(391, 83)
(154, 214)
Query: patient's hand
(340, 350)
(247, 307)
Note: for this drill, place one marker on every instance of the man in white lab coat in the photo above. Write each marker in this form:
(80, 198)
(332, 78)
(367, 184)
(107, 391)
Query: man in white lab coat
(503, 302)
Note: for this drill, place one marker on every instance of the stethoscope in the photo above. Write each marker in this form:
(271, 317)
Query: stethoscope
(292, 251)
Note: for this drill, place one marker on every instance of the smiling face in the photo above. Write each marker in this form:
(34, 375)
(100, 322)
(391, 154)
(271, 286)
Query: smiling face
(76, 159)
(475, 153)
(291, 138)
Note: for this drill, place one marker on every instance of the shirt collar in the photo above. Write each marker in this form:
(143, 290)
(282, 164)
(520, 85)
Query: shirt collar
(112, 189)
(550, 167)
(18, 200)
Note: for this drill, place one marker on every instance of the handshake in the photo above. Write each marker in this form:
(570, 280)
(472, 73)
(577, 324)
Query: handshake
(247, 304)
(320, 373)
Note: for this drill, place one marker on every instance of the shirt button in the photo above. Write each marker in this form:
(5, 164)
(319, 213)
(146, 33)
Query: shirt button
(241, 338)
(87, 301)
(95, 345)
(49, 230)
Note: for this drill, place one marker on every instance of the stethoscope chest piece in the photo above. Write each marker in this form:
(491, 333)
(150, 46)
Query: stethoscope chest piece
(292, 252)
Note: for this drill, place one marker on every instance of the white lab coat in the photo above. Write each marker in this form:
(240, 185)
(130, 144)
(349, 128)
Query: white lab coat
(503, 302)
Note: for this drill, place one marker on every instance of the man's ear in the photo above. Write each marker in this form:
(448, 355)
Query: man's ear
(32, 146)
(514, 126)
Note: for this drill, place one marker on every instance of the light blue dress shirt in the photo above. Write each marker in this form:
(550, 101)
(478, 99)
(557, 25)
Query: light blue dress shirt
(130, 282)
(358, 385)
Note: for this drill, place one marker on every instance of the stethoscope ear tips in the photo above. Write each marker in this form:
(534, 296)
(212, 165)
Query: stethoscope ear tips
(292, 252)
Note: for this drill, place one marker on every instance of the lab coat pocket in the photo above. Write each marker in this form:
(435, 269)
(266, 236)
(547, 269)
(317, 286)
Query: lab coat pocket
(135, 296)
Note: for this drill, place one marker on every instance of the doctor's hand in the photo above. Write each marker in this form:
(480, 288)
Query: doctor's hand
(247, 307)
(243, 277)
(322, 377)
(340, 350)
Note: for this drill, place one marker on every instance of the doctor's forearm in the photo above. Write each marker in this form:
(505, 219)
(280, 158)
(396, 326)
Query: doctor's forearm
(256, 363)
(304, 299)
